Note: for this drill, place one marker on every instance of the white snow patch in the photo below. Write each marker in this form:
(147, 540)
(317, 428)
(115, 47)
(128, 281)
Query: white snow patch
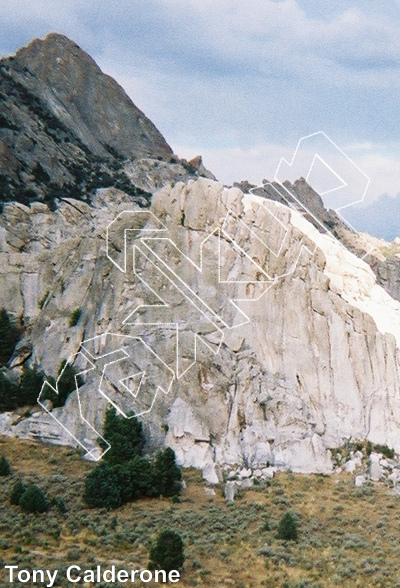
(351, 277)
(354, 280)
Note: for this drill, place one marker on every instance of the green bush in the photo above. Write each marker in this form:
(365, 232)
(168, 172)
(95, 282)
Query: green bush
(102, 488)
(34, 500)
(141, 479)
(385, 450)
(5, 469)
(127, 475)
(288, 529)
(66, 383)
(9, 336)
(74, 317)
(40, 174)
(110, 486)
(167, 552)
(60, 504)
(8, 393)
(16, 492)
(266, 525)
(30, 385)
(168, 474)
(125, 437)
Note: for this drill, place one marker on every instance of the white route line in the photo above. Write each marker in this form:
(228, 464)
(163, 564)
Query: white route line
(279, 180)
(202, 306)
(89, 452)
(92, 360)
(164, 304)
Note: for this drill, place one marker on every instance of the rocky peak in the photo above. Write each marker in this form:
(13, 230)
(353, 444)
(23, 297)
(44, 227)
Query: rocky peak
(66, 128)
(197, 164)
(77, 91)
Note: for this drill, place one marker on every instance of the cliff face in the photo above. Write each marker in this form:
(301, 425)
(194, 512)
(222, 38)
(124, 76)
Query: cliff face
(67, 129)
(84, 99)
(238, 328)
(381, 256)
(316, 363)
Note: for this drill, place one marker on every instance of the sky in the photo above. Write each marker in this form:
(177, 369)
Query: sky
(242, 82)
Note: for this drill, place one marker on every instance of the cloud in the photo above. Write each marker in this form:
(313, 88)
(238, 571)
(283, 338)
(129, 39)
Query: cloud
(219, 37)
(226, 77)
(260, 162)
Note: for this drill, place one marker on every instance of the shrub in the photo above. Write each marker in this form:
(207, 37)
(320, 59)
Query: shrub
(168, 474)
(34, 500)
(127, 475)
(385, 450)
(266, 526)
(288, 529)
(60, 504)
(110, 486)
(74, 317)
(142, 478)
(102, 488)
(5, 469)
(40, 174)
(16, 492)
(30, 385)
(67, 381)
(9, 336)
(8, 393)
(167, 552)
(125, 437)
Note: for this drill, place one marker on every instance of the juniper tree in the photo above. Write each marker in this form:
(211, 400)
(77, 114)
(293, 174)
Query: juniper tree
(34, 500)
(9, 336)
(125, 436)
(288, 528)
(102, 488)
(5, 469)
(16, 492)
(167, 552)
(168, 473)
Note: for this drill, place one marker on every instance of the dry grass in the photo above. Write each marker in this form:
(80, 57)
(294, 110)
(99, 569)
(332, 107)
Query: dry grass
(348, 536)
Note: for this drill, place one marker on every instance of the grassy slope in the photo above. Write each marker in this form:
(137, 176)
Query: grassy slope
(349, 536)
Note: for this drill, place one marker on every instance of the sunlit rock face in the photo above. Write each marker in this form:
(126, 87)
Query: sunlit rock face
(316, 363)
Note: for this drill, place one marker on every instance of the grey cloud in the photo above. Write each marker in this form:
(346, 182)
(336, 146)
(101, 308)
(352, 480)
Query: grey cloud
(227, 73)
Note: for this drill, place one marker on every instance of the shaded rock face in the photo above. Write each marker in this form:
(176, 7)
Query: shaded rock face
(305, 199)
(65, 127)
(387, 272)
(317, 363)
(93, 103)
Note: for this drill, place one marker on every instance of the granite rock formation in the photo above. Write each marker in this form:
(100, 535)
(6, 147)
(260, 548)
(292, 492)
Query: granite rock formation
(67, 129)
(317, 363)
(274, 340)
